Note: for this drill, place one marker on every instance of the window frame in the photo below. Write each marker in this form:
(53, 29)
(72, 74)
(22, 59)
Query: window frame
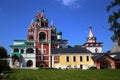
(81, 58)
(67, 59)
(87, 58)
(74, 58)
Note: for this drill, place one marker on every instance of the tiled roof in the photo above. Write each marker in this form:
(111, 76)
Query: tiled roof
(69, 50)
(116, 48)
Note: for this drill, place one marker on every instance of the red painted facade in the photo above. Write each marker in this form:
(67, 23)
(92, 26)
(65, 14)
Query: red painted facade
(44, 38)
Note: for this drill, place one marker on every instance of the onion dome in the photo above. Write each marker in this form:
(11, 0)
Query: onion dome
(59, 32)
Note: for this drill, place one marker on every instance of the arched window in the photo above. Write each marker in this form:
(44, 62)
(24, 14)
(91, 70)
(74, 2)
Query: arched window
(22, 51)
(96, 50)
(29, 63)
(31, 37)
(42, 36)
(16, 50)
(29, 50)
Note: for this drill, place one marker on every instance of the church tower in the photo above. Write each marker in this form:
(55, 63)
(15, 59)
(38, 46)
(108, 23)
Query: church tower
(91, 44)
(36, 50)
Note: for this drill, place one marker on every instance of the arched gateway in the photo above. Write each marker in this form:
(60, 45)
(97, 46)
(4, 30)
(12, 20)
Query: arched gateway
(29, 63)
(105, 62)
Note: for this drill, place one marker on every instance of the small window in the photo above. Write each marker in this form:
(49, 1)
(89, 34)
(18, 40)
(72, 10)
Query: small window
(96, 50)
(44, 51)
(67, 58)
(39, 51)
(31, 37)
(81, 58)
(87, 58)
(29, 50)
(74, 58)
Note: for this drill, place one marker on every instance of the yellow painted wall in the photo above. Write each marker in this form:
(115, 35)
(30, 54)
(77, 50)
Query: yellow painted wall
(63, 62)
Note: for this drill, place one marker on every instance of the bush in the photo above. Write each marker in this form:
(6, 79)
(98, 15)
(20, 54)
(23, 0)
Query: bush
(93, 67)
(4, 66)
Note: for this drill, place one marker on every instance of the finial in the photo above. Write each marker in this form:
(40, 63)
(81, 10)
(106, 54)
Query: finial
(43, 15)
(42, 10)
(90, 26)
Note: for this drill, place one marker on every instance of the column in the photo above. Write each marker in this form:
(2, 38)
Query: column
(19, 50)
(24, 50)
(42, 51)
(52, 61)
(34, 51)
(49, 54)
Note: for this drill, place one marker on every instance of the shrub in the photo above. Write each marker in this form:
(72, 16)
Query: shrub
(4, 66)
(93, 67)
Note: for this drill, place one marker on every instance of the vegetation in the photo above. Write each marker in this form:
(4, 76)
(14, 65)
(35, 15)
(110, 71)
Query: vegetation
(77, 74)
(3, 63)
(93, 67)
(4, 66)
(114, 20)
(77, 46)
(3, 52)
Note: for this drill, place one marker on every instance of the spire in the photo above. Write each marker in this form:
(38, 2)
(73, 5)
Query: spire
(52, 24)
(90, 32)
(42, 14)
(91, 38)
(38, 14)
(32, 23)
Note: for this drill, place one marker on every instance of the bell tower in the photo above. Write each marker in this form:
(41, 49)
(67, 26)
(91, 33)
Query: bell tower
(92, 44)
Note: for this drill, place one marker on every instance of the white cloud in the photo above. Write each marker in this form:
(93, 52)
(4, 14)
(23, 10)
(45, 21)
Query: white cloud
(71, 3)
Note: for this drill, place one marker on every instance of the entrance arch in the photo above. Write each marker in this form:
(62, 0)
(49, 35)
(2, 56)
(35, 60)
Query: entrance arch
(29, 63)
(105, 65)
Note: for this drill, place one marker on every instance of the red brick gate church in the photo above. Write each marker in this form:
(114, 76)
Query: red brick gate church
(109, 60)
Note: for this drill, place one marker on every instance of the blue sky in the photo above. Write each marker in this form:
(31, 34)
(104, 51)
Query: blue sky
(72, 17)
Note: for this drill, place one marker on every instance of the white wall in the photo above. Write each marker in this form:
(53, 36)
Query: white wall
(27, 57)
(92, 49)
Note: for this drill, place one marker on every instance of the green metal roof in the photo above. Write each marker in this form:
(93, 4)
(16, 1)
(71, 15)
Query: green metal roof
(20, 40)
(15, 53)
(59, 32)
(21, 44)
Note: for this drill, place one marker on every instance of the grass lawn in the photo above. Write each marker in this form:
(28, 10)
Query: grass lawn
(25, 74)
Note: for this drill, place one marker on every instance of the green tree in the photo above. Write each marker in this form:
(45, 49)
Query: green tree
(77, 46)
(3, 52)
(114, 20)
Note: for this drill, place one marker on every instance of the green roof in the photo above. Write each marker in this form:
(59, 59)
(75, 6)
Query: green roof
(59, 32)
(20, 40)
(21, 44)
(15, 53)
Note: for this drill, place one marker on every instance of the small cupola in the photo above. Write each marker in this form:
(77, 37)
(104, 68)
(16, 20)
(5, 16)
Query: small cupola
(59, 35)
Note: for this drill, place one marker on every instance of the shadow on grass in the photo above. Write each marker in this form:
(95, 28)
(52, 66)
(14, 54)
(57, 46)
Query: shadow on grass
(6, 75)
